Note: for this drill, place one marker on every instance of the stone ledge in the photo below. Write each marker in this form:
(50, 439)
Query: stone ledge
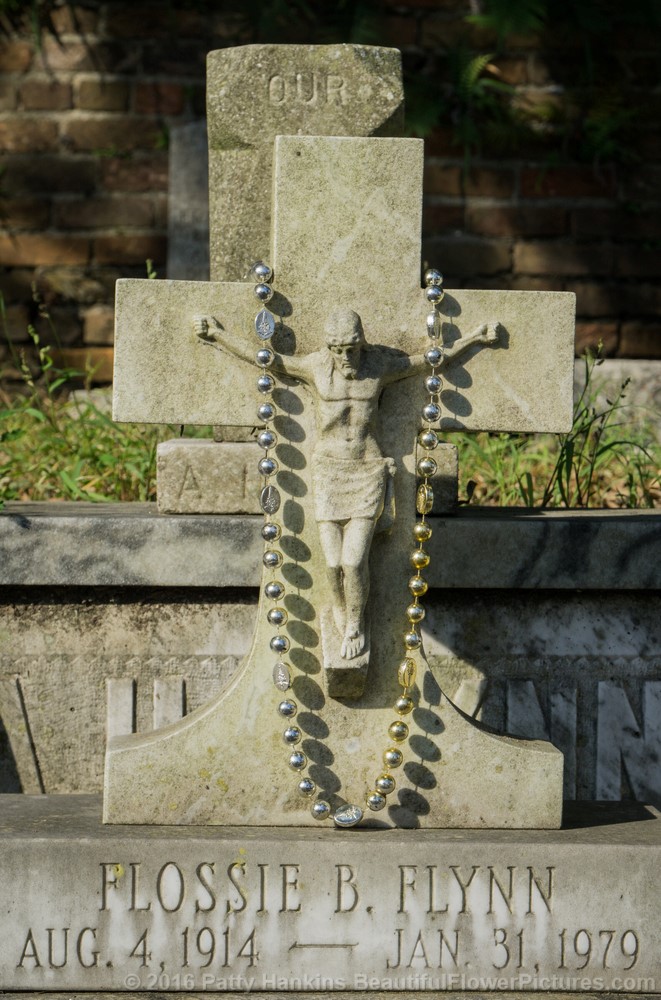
(131, 545)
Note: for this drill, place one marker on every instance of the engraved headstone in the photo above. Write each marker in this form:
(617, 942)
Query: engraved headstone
(359, 248)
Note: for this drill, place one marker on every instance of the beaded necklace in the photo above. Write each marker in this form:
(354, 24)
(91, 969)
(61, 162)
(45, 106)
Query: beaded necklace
(349, 814)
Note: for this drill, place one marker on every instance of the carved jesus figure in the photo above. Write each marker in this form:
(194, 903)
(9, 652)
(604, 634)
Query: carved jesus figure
(351, 477)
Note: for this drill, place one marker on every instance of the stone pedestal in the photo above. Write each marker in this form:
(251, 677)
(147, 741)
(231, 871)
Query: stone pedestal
(85, 907)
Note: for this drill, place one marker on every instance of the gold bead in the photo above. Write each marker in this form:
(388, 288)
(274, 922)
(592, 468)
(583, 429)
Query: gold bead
(427, 466)
(415, 613)
(428, 439)
(418, 586)
(385, 784)
(398, 731)
(424, 499)
(412, 639)
(403, 705)
(421, 531)
(393, 757)
(420, 559)
(406, 673)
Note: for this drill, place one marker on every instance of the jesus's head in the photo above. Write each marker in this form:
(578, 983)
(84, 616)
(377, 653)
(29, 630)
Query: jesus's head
(345, 340)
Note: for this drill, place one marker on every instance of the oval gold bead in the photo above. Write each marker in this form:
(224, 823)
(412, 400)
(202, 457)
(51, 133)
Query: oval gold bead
(424, 499)
(421, 531)
(418, 586)
(404, 705)
(420, 559)
(406, 673)
(415, 613)
(398, 731)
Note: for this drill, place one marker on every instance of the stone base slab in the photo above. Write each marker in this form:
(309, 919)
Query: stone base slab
(85, 907)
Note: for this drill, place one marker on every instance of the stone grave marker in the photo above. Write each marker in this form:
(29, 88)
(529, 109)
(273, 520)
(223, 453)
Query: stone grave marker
(346, 234)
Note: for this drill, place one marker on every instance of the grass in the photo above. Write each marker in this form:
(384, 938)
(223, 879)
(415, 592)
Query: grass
(55, 446)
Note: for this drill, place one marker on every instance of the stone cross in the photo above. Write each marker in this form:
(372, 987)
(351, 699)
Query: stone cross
(346, 236)
(256, 92)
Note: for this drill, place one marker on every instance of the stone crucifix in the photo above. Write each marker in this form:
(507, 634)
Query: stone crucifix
(346, 244)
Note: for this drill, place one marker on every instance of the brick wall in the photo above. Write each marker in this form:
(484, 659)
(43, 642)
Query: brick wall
(84, 120)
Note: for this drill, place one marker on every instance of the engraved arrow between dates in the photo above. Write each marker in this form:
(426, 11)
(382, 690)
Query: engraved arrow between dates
(313, 944)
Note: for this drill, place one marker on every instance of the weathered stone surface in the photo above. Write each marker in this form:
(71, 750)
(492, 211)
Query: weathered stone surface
(208, 477)
(188, 203)
(256, 92)
(221, 477)
(476, 911)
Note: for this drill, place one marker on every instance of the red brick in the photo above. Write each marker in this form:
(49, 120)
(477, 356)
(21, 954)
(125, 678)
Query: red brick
(15, 325)
(447, 34)
(74, 20)
(33, 136)
(509, 221)
(563, 258)
(468, 257)
(83, 359)
(76, 56)
(399, 31)
(130, 249)
(103, 213)
(486, 182)
(159, 99)
(24, 213)
(441, 142)
(82, 285)
(7, 95)
(45, 94)
(16, 284)
(46, 174)
(147, 173)
(640, 340)
(15, 57)
(61, 327)
(122, 134)
(102, 95)
(538, 70)
(567, 182)
(138, 21)
(526, 283)
(589, 335)
(595, 299)
(176, 57)
(29, 249)
(618, 223)
(442, 218)
(442, 179)
(99, 325)
(160, 203)
(638, 262)
(640, 299)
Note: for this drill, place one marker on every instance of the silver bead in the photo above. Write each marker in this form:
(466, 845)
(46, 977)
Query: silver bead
(270, 532)
(411, 640)
(277, 617)
(428, 439)
(415, 613)
(267, 466)
(280, 644)
(265, 384)
(385, 784)
(287, 708)
(433, 294)
(292, 735)
(264, 357)
(266, 412)
(427, 466)
(320, 810)
(274, 590)
(431, 412)
(434, 356)
(433, 383)
(306, 786)
(297, 759)
(433, 276)
(376, 801)
(264, 293)
(267, 439)
(260, 271)
(272, 559)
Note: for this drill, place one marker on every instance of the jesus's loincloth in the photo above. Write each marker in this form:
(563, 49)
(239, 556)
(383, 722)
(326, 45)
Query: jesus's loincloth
(349, 487)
